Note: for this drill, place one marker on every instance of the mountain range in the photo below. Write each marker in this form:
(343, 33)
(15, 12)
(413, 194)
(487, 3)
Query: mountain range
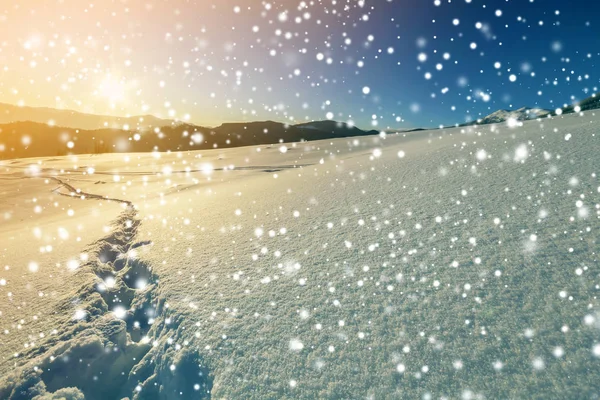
(527, 113)
(521, 114)
(68, 118)
(42, 132)
(34, 139)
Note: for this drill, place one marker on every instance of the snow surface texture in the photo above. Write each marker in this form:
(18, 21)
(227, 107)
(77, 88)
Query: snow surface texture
(458, 263)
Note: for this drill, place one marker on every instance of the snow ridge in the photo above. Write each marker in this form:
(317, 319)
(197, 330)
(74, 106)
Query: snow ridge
(84, 195)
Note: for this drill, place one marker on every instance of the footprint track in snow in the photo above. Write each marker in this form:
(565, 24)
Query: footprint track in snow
(121, 343)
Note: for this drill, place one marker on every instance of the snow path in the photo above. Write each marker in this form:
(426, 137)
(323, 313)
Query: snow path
(83, 195)
(120, 353)
(263, 168)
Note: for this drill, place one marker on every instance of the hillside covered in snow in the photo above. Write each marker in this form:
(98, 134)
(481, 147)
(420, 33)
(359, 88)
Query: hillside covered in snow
(455, 263)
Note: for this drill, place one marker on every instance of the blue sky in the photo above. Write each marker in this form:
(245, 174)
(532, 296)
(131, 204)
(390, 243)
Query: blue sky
(377, 63)
(553, 61)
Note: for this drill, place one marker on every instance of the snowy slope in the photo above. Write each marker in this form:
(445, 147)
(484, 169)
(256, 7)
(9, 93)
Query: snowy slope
(456, 263)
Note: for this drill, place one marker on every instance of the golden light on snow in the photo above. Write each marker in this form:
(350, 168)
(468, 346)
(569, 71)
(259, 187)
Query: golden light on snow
(33, 267)
(207, 168)
(80, 314)
(63, 233)
(72, 265)
(110, 282)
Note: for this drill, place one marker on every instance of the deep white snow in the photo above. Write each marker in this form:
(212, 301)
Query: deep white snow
(459, 263)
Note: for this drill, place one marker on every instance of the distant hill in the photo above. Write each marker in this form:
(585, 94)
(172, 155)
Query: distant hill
(10, 113)
(526, 113)
(33, 139)
(591, 103)
(501, 116)
(330, 126)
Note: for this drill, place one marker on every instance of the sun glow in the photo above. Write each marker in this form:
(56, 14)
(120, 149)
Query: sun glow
(113, 89)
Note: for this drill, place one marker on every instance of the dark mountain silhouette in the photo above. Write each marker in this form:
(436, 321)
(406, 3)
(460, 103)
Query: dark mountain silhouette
(32, 139)
(590, 103)
(35, 138)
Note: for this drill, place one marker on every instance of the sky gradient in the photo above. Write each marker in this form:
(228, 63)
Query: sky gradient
(383, 64)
